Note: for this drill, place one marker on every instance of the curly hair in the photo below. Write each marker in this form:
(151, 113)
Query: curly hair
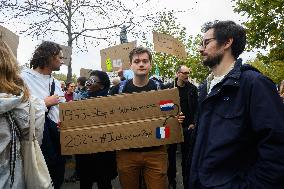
(10, 79)
(104, 79)
(223, 30)
(140, 50)
(81, 81)
(43, 54)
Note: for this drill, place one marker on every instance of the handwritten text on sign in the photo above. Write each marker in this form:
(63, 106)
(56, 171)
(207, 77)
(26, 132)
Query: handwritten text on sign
(87, 113)
(92, 139)
(119, 122)
(116, 109)
(107, 137)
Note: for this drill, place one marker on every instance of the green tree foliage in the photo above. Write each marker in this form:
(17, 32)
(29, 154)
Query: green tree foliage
(63, 77)
(265, 31)
(167, 64)
(264, 26)
(274, 70)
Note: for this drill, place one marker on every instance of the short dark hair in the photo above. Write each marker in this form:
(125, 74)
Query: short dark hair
(82, 81)
(223, 30)
(68, 84)
(140, 50)
(43, 53)
(104, 79)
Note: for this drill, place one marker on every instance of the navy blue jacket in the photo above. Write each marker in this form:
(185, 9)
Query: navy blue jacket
(240, 136)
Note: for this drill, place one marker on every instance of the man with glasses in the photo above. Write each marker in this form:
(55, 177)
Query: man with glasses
(240, 130)
(188, 103)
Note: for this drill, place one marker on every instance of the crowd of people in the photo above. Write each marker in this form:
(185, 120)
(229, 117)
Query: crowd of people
(233, 124)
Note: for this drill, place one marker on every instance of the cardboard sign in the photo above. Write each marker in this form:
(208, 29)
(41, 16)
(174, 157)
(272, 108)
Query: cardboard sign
(116, 57)
(168, 44)
(67, 53)
(10, 38)
(120, 122)
(112, 75)
(85, 72)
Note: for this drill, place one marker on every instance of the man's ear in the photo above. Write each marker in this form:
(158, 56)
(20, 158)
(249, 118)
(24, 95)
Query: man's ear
(228, 43)
(130, 65)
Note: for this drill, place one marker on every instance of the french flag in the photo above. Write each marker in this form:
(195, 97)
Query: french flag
(166, 105)
(162, 132)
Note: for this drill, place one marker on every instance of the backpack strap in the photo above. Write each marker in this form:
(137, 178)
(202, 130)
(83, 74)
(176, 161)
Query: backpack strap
(52, 89)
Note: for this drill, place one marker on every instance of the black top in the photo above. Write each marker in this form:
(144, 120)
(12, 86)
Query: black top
(188, 101)
(183, 96)
(131, 88)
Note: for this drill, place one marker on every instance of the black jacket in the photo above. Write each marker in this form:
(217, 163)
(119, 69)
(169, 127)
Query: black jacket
(192, 94)
(240, 136)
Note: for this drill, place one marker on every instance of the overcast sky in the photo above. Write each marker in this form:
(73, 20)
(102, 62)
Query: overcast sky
(195, 14)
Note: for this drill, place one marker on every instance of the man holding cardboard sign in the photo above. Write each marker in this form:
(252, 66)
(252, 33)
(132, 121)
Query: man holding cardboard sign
(152, 161)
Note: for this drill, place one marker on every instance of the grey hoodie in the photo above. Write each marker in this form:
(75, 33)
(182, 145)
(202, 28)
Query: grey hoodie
(20, 112)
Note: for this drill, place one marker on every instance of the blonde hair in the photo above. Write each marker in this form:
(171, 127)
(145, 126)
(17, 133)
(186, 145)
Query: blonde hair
(10, 79)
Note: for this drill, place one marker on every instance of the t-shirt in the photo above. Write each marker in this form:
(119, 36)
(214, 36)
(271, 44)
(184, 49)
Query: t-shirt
(130, 88)
(215, 81)
(40, 86)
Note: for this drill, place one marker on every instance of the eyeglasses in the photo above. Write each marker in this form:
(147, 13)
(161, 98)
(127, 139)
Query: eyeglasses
(72, 86)
(91, 82)
(184, 73)
(206, 42)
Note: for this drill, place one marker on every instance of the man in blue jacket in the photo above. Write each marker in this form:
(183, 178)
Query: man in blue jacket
(240, 136)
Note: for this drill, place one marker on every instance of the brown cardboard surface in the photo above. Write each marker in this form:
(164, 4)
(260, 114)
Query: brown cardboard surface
(67, 53)
(116, 137)
(125, 121)
(118, 55)
(10, 38)
(168, 44)
(85, 72)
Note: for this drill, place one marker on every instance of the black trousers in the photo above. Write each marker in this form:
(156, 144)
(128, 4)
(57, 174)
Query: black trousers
(185, 152)
(56, 172)
(86, 183)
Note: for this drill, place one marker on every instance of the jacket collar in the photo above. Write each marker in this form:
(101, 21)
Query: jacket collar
(231, 79)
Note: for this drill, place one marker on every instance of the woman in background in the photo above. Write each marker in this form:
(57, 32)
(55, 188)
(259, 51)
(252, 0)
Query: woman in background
(69, 93)
(98, 167)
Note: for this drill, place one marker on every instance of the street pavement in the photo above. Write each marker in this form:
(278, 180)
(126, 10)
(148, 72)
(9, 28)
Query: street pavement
(115, 183)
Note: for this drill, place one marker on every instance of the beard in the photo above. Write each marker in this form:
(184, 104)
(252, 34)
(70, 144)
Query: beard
(212, 61)
(56, 68)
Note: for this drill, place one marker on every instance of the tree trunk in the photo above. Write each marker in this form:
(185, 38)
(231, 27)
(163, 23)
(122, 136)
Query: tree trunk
(69, 30)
